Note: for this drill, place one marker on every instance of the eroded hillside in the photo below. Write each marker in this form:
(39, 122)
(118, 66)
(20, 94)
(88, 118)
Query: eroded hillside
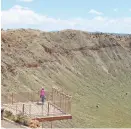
(94, 68)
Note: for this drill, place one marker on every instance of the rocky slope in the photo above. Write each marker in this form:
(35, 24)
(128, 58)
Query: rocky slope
(94, 68)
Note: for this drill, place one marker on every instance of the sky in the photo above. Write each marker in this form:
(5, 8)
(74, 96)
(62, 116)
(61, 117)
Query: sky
(112, 16)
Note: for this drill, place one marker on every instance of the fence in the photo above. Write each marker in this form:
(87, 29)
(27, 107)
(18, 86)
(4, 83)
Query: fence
(57, 100)
(33, 110)
(57, 105)
(10, 98)
(61, 100)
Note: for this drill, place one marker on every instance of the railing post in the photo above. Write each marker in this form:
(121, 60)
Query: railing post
(60, 99)
(52, 95)
(28, 96)
(16, 109)
(38, 97)
(48, 109)
(2, 113)
(65, 103)
(12, 98)
(42, 109)
(23, 109)
(70, 105)
(63, 108)
(30, 110)
(51, 124)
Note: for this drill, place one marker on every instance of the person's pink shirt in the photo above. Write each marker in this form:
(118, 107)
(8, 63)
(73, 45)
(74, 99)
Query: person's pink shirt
(42, 93)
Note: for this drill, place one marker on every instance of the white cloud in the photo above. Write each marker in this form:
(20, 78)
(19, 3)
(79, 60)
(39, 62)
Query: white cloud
(25, 0)
(92, 11)
(116, 10)
(130, 10)
(18, 15)
(23, 17)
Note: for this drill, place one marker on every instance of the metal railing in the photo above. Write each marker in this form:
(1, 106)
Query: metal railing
(10, 98)
(56, 98)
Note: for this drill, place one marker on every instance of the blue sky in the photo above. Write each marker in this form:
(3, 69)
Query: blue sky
(89, 15)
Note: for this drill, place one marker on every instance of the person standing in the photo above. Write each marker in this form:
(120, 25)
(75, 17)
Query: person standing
(42, 95)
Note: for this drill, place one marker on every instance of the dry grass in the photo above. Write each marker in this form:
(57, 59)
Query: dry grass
(94, 68)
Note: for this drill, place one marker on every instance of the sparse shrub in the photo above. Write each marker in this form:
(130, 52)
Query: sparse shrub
(40, 61)
(22, 119)
(9, 115)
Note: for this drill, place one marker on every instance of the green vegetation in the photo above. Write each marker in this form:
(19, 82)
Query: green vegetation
(22, 119)
(9, 115)
(19, 118)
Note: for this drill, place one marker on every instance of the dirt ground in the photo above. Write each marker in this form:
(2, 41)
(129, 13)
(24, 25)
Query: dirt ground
(94, 68)
(7, 124)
